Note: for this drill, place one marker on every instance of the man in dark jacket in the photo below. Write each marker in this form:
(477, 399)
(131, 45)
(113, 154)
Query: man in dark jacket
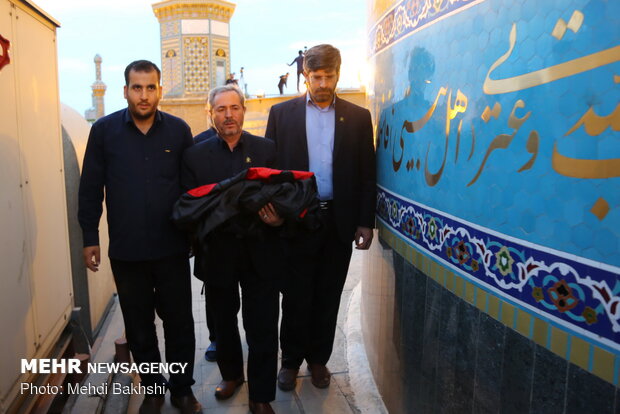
(229, 259)
(331, 137)
(134, 155)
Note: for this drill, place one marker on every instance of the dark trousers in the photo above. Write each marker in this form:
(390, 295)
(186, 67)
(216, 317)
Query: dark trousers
(298, 74)
(161, 286)
(317, 269)
(260, 321)
(209, 316)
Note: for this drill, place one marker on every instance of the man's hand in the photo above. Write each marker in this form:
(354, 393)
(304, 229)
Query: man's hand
(363, 238)
(270, 216)
(92, 257)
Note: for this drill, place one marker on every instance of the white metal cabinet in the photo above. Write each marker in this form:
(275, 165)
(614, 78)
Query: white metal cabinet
(35, 275)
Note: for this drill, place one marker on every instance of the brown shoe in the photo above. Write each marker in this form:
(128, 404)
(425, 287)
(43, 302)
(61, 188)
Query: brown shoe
(287, 378)
(152, 404)
(187, 404)
(261, 408)
(226, 389)
(320, 375)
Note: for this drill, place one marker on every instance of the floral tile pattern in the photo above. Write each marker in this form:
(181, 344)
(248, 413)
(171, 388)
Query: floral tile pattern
(578, 294)
(408, 16)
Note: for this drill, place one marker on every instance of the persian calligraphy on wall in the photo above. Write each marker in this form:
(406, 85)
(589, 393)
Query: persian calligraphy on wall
(507, 114)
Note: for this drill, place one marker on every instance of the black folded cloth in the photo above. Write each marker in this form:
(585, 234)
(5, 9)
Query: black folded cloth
(232, 205)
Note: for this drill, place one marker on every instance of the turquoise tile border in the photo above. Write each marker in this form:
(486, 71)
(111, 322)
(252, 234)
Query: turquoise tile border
(575, 293)
(557, 338)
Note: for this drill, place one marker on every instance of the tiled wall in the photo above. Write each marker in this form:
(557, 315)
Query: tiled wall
(497, 136)
(437, 343)
(504, 113)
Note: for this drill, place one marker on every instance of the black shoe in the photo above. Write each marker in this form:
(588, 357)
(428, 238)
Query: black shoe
(187, 404)
(226, 389)
(152, 404)
(211, 352)
(261, 408)
(320, 375)
(287, 378)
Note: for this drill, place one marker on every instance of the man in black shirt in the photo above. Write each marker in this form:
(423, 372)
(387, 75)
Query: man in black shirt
(282, 83)
(233, 258)
(299, 60)
(231, 80)
(135, 155)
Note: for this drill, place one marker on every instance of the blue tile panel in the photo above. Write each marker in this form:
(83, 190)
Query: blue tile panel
(580, 295)
(505, 113)
(455, 358)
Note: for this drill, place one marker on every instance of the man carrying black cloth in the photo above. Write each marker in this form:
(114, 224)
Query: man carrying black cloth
(229, 258)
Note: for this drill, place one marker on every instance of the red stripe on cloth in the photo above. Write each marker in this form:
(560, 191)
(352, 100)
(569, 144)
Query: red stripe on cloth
(201, 191)
(261, 173)
(302, 175)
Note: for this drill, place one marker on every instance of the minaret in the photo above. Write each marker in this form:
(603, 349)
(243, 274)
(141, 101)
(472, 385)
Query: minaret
(195, 46)
(98, 87)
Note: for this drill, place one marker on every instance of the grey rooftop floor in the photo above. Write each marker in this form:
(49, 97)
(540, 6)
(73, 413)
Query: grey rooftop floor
(348, 360)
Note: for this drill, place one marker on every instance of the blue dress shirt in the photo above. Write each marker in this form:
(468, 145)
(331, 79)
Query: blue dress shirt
(320, 127)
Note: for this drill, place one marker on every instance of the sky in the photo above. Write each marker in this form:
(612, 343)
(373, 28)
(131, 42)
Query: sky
(265, 36)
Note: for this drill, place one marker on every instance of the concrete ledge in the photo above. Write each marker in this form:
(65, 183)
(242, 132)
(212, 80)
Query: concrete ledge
(365, 393)
(118, 403)
(95, 403)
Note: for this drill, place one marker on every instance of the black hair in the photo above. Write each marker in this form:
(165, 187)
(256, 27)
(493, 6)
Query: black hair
(141, 66)
(322, 57)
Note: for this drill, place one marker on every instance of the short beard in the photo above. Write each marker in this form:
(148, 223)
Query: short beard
(315, 96)
(229, 133)
(138, 115)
